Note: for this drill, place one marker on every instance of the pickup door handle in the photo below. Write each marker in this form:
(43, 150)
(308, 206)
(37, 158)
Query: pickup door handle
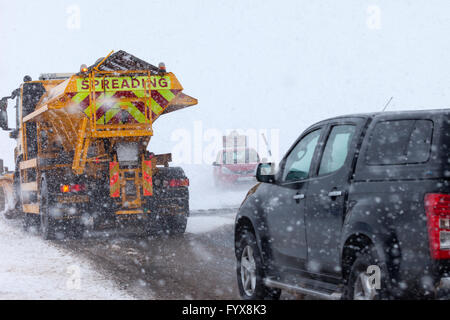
(299, 196)
(335, 193)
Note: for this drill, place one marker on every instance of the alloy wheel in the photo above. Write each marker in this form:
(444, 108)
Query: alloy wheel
(248, 271)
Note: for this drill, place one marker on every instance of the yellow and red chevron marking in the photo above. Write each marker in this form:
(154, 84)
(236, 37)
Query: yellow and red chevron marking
(114, 181)
(147, 183)
(110, 110)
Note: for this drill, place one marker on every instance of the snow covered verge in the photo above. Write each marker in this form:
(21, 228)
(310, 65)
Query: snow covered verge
(31, 268)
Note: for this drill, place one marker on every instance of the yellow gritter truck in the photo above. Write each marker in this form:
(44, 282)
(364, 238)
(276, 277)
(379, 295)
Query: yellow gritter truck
(81, 156)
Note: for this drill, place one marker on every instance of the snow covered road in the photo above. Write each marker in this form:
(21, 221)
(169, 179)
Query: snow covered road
(31, 268)
(115, 265)
(197, 265)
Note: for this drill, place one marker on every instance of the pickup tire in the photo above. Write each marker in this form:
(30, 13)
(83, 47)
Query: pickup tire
(250, 270)
(360, 285)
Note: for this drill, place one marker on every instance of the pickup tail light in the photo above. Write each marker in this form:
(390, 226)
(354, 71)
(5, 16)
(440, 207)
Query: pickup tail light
(437, 208)
(67, 188)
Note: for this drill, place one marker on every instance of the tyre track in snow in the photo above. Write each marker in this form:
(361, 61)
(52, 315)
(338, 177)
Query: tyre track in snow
(189, 266)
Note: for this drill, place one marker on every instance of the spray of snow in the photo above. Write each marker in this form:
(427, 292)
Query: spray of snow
(205, 195)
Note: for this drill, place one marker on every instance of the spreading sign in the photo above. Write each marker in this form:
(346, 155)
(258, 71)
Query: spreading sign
(125, 83)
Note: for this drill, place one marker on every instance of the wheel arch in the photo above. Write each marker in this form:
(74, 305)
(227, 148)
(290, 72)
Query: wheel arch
(243, 223)
(360, 237)
(354, 244)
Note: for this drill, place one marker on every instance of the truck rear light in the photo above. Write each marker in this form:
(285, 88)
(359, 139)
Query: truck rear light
(437, 208)
(179, 183)
(174, 183)
(65, 188)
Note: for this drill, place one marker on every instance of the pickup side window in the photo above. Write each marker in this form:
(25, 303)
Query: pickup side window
(336, 149)
(400, 142)
(299, 160)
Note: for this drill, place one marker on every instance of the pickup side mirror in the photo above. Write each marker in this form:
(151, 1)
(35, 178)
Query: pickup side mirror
(265, 172)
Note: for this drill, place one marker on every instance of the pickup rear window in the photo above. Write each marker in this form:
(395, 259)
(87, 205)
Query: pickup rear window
(400, 142)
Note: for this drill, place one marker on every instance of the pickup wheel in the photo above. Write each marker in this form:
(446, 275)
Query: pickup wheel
(360, 284)
(250, 270)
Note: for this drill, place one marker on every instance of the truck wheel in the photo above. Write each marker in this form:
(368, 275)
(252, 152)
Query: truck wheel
(77, 228)
(250, 270)
(8, 213)
(2, 199)
(30, 222)
(360, 285)
(48, 224)
(16, 192)
(177, 224)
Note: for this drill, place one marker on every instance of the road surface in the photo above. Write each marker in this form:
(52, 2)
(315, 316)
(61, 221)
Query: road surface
(199, 264)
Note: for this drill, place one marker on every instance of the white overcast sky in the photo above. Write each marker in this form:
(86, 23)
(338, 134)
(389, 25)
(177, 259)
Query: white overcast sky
(252, 64)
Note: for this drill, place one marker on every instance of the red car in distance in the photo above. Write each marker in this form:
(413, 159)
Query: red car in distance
(234, 166)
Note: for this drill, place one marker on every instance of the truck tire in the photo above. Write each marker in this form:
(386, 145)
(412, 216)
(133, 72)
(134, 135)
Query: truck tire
(169, 223)
(2, 200)
(177, 224)
(17, 197)
(77, 228)
(30, 222)
(250, 274)
(9, 213)
(48, 224)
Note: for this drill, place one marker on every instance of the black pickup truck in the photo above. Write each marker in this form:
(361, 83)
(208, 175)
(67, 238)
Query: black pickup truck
(358, 208)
